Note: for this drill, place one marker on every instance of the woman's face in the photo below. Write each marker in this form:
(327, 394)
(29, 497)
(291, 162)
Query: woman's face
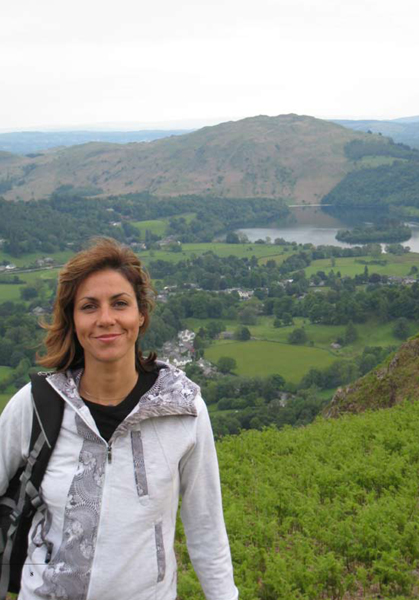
(106, 318)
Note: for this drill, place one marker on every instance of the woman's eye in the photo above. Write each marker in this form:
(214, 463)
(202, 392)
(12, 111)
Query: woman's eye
(88, 307)
(121, 304)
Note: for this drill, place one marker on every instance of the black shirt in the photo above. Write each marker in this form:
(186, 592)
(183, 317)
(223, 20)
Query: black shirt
(107, 418)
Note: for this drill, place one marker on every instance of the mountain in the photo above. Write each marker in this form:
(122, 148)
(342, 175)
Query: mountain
(407, 120)
(387, 385)
(299, 158)
(403, 131)
(25, 142)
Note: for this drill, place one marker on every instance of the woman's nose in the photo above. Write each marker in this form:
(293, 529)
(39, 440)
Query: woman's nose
(106, 316)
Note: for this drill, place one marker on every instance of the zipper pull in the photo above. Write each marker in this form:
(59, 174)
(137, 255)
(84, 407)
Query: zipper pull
(109, 454)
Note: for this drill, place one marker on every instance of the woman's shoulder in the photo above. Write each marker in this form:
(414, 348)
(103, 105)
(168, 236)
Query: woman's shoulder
(20, 402)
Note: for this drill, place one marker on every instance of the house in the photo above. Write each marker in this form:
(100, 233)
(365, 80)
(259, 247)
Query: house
(227, 335)
(206, 367)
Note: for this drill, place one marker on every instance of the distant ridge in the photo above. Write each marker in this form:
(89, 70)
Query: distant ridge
(403, 131)
(26, 142)
(295, 157)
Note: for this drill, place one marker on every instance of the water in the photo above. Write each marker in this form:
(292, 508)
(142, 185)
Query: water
(315, 226)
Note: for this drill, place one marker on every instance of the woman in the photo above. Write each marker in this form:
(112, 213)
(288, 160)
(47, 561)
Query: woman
(135, 434)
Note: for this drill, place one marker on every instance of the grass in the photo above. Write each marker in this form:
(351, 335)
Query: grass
(11, 292)
(23, 261)
(396, 265)
(268, 352)
(261, 252)
(157, 226)
(259, 358)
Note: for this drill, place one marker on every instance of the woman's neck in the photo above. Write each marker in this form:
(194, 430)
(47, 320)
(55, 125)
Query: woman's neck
(107, 383)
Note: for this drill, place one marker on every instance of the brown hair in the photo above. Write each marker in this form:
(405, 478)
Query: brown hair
(63, 348)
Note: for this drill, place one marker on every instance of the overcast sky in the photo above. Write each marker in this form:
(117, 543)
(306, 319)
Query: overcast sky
(190, 62)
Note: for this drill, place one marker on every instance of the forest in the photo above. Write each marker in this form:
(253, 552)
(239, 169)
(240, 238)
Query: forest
(67, 220)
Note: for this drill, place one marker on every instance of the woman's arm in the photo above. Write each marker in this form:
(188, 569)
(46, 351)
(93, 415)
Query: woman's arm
(15, 433)
(202, 513)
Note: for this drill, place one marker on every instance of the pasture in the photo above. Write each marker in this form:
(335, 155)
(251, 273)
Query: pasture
(9, 291)
(268, 352)
(159, 226)
(261, 251)
(395, 265)
(260, 358)
(23, 261)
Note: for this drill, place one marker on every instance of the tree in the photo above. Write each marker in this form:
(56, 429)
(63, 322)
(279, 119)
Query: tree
(242, 333)
(297, 336)
(351, 334)
(401, 329)
(226, 364)
(232, 238)
(28, 293)
(248, 315)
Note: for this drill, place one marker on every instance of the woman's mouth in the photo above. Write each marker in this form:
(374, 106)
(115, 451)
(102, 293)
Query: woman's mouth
(108, 337)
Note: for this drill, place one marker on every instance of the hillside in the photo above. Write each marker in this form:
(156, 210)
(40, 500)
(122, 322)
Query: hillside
(328, 511)
(391, 383)
(296, 157)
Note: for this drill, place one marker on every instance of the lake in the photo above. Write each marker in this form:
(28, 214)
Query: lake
(314, 226)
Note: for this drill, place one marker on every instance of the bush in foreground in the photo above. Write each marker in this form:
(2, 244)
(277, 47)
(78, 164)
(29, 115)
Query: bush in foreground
(329, 511)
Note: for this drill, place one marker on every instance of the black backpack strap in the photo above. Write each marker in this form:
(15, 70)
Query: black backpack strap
(48, 410)
(48, 407)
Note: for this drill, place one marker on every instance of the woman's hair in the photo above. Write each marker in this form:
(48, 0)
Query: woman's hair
(63, 348)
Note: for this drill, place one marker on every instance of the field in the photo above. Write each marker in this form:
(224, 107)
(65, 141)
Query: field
(158, 226)
(268, 352)
(23, 261)
(396, 265)
(256, 358)
(261, 251)
(11, 292)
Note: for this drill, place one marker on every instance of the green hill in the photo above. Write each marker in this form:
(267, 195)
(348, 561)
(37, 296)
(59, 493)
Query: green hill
(296, 157)
(391, 383)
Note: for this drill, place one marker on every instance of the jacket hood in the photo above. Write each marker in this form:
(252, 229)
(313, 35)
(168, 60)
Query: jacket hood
(172, 394)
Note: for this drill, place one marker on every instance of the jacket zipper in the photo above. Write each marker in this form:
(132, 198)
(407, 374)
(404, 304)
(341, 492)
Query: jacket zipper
(109, 454)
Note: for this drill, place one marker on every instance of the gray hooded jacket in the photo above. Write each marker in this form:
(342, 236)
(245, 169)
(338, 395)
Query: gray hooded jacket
(111, 508)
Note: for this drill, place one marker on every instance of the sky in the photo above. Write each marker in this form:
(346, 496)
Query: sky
(186, 63)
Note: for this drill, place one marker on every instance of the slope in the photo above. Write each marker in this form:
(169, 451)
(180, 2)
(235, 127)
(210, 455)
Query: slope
(328, 511)
(391, 383)
(296, 157)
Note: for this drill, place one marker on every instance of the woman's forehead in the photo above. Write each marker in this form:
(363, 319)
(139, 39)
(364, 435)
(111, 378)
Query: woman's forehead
(106, 282)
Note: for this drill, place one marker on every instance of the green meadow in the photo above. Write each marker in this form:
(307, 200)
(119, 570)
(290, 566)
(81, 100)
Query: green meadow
(268, 352)
(261, 251)
(259, 358)
(27, 259)
(395, 265)
(159, 226)
(9, 291)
